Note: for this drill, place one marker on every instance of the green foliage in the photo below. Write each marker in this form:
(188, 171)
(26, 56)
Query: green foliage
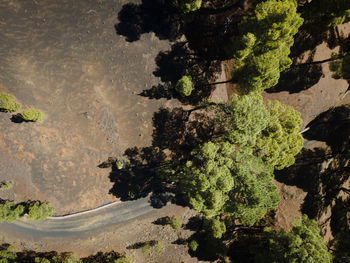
(184, 86)
(244, 119)
(175, 222)
(6, 185)
(32, 115)
(9, 211)
(187, 6)
(39, 211)
(193, 245)
(8, 103)
(122, 259)
(303, 244)
(342, 245)
(158, 247)
(328, 13)
(41, 260)
(7, 254)
(280, 141)
(146, 249)
(263, 48)
(221, 180)
(214, 227)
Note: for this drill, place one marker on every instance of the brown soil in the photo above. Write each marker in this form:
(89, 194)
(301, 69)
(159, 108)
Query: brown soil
(66, 59)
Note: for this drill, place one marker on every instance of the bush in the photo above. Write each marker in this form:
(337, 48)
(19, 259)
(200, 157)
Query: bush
(39, 211)
(193, 245)
(5, 185)
(184, 86)
(175, 222)
(146, 249)
(8, 103)
(158, 247)
(187, 6)
(9, 211)
(32, 115)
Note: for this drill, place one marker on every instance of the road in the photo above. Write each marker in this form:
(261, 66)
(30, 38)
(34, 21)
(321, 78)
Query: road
(82, 223)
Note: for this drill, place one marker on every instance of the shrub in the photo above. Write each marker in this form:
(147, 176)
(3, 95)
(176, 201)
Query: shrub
(187, 6)
(146, 249)
(8, 103)
(158, 247)
(5, 185)
(7, 254)
(193, 245)
(122, 259)
(39, 211)
(9, 211)
(32, 115)
(175, 222)
(184, 86)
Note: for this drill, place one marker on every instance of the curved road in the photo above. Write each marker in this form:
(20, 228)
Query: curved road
(58, 227)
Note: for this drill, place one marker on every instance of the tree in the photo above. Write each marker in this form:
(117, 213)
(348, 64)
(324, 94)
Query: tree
(341, 66)
(327, 13)
(280, 141)
(342, 245)
(214, 227)
(175, 222)
(7, 254)
(221, 180)
(8, 103)
(10, 211)
(39, 211)
(302, 244)
(184, 86)
(262, 50)
(244, 119)
(32, 115)
(5, 185)
(187, 6)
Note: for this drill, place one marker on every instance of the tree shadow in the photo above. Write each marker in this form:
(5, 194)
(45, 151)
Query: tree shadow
(331, 126)
(175, 134)
(302, 76)
(180, 61)
(162, 221)
(17, 118)
(299, 77)
(158, 16)
(139, 245)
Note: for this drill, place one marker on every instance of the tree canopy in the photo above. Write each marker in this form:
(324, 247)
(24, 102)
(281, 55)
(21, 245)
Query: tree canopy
(302, 244)
(262, 49)
(280, 141)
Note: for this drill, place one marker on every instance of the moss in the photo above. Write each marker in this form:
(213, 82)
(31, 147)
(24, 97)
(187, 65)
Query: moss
(8, 103)
(32, 115)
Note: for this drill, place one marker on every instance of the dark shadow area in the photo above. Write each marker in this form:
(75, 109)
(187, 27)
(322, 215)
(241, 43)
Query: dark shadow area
(312, 33)
(158, 16)
(162, 221)
(180, 241)
(324, 173)
(17, 118)
(141, 170)
(138, 178)
(332, 127)
(139, 245)
(194, 223)
(180, 61)
(298, 78)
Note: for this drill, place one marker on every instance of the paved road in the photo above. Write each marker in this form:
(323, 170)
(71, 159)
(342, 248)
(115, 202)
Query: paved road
(75, 225)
